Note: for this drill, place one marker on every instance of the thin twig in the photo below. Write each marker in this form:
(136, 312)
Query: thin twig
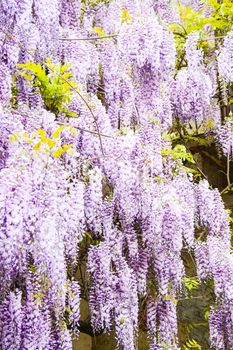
(203, 39)
(90, 110)
(136, 112)
(86, 130)
(200, 171)
(217, 37)
(226, 188)
(198, 297)
(90, 38)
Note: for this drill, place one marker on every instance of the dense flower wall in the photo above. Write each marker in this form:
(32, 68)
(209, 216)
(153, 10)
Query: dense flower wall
(117, 199)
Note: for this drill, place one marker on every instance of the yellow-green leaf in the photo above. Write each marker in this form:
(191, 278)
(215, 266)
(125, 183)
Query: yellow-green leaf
(58, 152)
(37, 146)
(58, 131)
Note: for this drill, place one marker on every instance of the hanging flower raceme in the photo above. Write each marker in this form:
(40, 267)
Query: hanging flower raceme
(209, 202)
(225, 59)
(5, 89)
(93, 201)
(74, 305)
(73, 51)
(70, 13)
(140, 43)
(193, 90)
(102, 300)
(221, 327)
(11, 321)
(224, 135)
(48, 24)
(148, 52)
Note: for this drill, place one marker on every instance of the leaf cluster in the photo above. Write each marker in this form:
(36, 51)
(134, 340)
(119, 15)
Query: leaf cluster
(220, 17)
(54, 82)
(179, 152)
(219, 20)
(40, 140)
(87, 3)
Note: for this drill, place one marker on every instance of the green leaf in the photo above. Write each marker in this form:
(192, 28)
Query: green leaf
(192, 344)
(99, 31)
(191, 283)
(125, 16)
(58, 152)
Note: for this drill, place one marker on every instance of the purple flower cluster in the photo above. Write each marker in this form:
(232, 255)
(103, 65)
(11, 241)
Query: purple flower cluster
(221, 327)
(224, 136)
(225, 59)
(193, 89)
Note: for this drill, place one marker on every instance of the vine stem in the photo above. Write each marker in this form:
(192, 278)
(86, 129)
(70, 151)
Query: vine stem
(66, 124)
(229, 184)
(116, 35)
(85, 130)
(90, 38)
(7, 34)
